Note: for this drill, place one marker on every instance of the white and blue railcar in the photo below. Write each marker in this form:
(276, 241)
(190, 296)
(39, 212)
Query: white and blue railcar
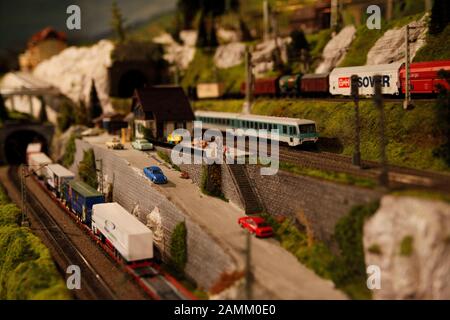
(292, 131)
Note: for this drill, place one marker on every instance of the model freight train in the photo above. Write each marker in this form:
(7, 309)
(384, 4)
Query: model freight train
(111, 224)
(424, 79)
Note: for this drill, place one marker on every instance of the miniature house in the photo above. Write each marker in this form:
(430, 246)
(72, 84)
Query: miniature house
(159, 110)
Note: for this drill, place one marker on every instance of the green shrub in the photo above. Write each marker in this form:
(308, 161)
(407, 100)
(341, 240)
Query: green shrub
(87, 169)
(26, 268)
(66, 116)
(69, 152)
(211, 181)
(4, 199)
(178, 246)
(350, 271)
(10, 214)
(406, 246)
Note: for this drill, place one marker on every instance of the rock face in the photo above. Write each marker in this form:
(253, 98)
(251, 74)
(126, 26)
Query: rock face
(409, 239)
(391, 46)
(229, 55)
(262, 56)
(71, 72)
(178, 55)
(335, 50)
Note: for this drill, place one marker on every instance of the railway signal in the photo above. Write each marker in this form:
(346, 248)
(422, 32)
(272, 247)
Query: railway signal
(378, 100)
(356, 160)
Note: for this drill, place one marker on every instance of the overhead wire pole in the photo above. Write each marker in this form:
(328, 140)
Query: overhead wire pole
(356, 159)
(378, 100)
(100, 173)
(407, 103)
(249, 82)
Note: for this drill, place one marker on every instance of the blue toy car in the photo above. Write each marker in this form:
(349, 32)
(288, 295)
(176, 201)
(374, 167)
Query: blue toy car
(155, 174)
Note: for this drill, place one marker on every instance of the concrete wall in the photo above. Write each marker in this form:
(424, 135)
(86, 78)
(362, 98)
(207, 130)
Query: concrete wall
(206, 259)
(322, 202)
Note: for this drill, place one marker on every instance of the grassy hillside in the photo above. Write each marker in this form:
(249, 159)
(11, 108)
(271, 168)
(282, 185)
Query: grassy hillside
(202, 69)
(412, 135)
(27, 271)
(437, 47)
(366, 38)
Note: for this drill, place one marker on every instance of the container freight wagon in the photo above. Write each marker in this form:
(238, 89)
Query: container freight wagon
(210, 90)
(315, 84)
(424, 77)
(56, 176)
(37, 162)
(122, 232)
(340, 79)
(80, 197)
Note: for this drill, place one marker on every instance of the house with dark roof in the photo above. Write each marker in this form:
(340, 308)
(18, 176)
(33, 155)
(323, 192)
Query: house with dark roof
(159, 110)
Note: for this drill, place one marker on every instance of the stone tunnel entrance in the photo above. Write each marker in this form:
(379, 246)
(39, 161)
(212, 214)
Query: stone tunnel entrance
(129, 81)
(16, 145)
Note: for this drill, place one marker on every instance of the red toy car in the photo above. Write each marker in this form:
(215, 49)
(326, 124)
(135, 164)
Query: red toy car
(256, 226)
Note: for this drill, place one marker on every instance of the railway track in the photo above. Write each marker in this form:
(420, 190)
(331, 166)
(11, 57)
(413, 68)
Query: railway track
(92, 283)
(155, 283)
(370, 169)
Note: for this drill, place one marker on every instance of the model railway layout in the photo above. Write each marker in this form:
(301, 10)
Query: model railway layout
(123, 237)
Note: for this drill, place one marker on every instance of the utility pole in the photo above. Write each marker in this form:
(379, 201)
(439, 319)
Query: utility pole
(390, 9)
(22, 192)
(266, 20)
(428, 5)
(407, 103)
(356, 160)
(248, 269)
(249, 83)
(334, 15)
(378, 100)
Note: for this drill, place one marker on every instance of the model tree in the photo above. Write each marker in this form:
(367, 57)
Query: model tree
(117, 22)
(95, 107)
(188, 10)
(439, 16)
(3, 111)
(43, 111)
(298, 50)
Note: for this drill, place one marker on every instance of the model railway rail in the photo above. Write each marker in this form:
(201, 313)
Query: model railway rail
(157, 284)
(92, 282)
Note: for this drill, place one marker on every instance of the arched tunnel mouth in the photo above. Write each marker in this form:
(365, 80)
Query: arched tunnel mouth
(131, 80)
(16, 145)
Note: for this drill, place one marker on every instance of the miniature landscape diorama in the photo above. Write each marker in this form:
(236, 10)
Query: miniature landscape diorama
(328, 122)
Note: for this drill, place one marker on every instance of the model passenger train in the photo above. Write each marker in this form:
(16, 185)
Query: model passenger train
(126, 237)
(292, 131)
(424, 79)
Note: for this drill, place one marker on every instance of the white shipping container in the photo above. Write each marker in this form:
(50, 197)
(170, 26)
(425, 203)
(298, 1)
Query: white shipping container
(131, 238)
(340, 79)
(57, 175)
(209, 90)
(37, 163)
